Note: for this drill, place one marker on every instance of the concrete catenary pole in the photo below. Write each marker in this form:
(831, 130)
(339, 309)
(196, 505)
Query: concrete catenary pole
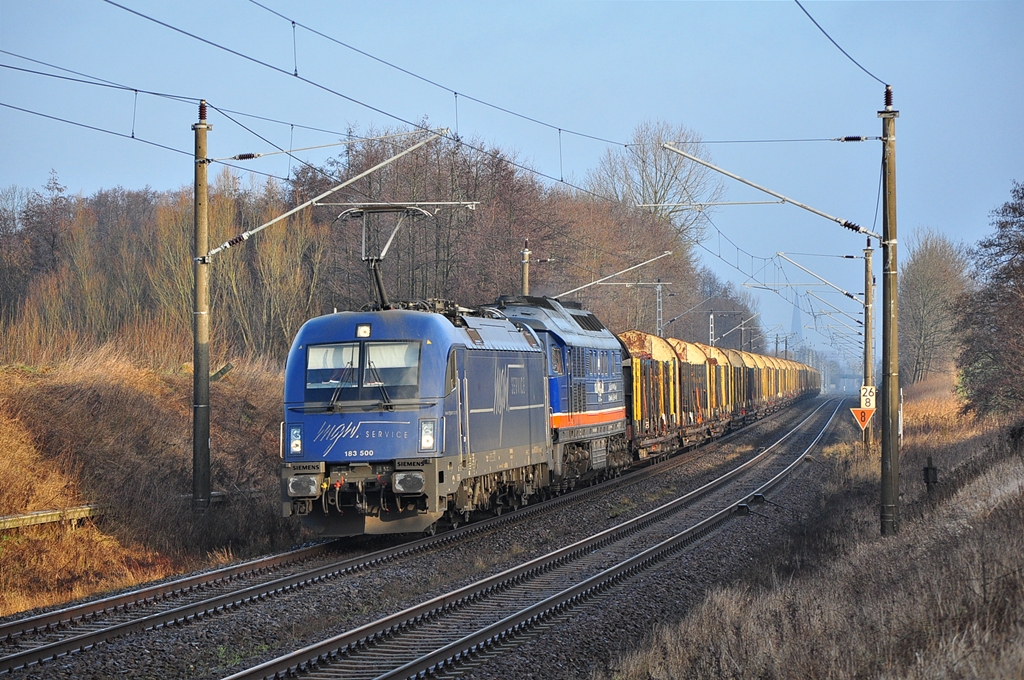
(869, 333)
(890, 398)
(659, 318)
(201, 325)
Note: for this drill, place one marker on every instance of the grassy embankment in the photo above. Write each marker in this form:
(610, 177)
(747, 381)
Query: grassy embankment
(943, 599)
(101, 429)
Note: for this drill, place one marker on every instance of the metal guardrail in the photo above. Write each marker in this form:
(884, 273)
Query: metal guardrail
(73, 514)
(48, 516)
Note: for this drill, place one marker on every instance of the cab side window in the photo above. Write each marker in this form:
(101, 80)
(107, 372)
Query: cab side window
(557, 367)
(451, 375)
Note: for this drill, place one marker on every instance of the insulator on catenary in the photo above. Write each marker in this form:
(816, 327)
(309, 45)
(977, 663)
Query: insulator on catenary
(852, 138)
(246, 156)
(202, 110)
(888, 95)
(850, 225)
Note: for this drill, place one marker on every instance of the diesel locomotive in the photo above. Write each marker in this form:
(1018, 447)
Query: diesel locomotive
(400, 419)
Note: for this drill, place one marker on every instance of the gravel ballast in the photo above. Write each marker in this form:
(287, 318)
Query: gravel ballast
(588, 640)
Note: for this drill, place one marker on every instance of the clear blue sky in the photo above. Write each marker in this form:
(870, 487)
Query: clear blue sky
(730, 71)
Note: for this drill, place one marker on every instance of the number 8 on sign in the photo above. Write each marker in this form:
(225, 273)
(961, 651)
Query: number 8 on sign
(862, 415)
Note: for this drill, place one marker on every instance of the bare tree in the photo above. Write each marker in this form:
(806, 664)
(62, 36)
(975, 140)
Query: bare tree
(45, 221)
(15, 250)
(932, 278)
(643, 173)
(166, 259)
(991, 359)
(80, 271)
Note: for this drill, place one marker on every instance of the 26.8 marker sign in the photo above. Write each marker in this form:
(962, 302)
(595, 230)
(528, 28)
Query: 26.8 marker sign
(867, 397)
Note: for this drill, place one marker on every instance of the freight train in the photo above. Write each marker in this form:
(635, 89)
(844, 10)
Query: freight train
(399, 419)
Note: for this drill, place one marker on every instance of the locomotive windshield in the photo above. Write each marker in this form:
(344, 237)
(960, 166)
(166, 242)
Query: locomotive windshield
(391, 364)
(358, 371)
(333, 366)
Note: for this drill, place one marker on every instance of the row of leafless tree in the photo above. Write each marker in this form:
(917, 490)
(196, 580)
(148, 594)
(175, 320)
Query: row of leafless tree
(990, 314)
(962, 307)
(77, 272)
(931, 280)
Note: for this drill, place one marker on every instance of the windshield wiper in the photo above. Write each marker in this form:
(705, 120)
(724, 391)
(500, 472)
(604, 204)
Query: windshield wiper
(385, 399)
(346, 372)
(405, 403)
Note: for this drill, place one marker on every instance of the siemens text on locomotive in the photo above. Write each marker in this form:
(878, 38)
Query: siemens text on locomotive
(401, 418)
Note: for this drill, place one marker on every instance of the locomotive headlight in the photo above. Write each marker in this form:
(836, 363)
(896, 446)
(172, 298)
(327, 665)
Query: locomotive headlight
(428, 432)
(304, 486)
(407, 482)
(295, 439)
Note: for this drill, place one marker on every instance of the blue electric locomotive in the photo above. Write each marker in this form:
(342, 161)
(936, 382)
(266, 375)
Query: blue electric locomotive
(586, 391)
(395, 419)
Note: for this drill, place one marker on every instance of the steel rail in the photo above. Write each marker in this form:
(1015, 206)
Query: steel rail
(53, 620)
(236, 598)
(306, 659)
(48, 620)
(517, 624)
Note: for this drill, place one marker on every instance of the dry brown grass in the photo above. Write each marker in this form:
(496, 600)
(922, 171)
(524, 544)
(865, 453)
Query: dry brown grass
(49, 486)
(100, 428)
(52, 564)
(943, 599)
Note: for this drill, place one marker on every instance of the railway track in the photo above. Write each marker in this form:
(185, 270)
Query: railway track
(29, 641)
(447, 632)
(53, 634)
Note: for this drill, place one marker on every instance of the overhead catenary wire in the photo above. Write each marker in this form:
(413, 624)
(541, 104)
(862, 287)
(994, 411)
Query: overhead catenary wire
(457, 137)
(783, 141)
(558, 128)
(86, 79)
(264, 64)
(265, 174)
(347, 142)
(89, 79)
(96, 128)
(92, 80)
(455, 94)
(410, 73)
(752, 279)
(433, 82)
(847, 54)
(452, 91)
(348, 98)
(132, 138)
